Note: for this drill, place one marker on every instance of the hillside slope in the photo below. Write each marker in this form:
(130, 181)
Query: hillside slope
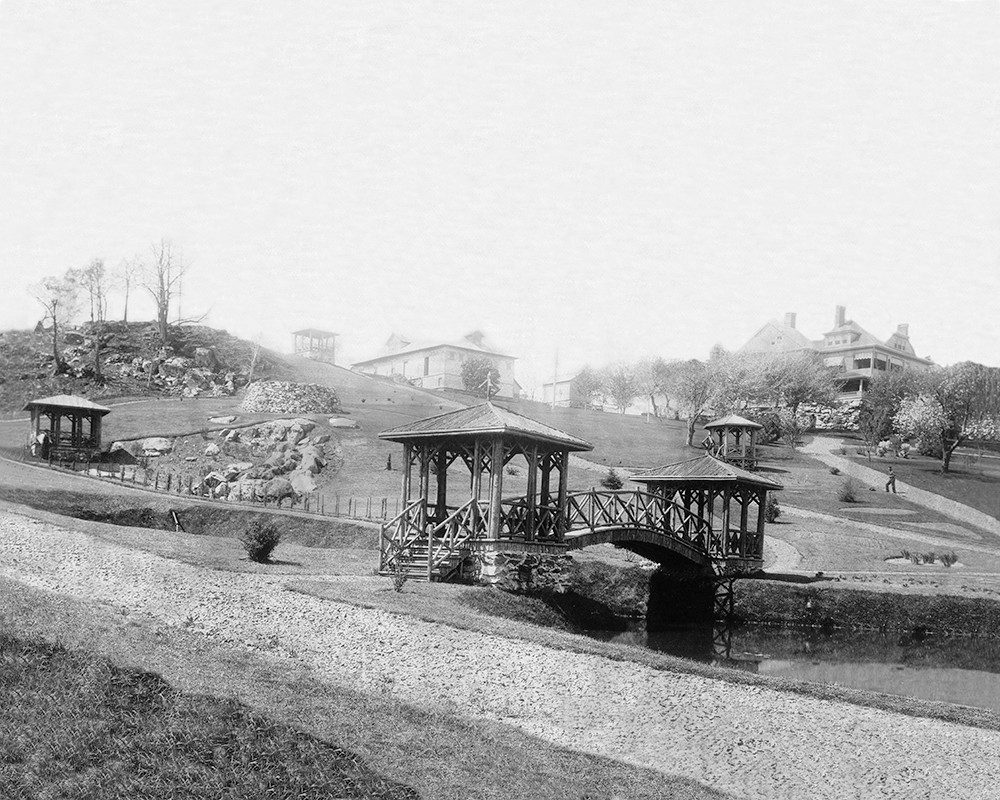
(196, 361)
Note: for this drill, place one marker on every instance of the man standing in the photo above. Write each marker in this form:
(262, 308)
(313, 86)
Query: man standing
(891, 481)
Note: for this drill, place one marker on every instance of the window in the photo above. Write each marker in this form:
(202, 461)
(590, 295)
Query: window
(862, 363)
(405, 363)
(427, 365)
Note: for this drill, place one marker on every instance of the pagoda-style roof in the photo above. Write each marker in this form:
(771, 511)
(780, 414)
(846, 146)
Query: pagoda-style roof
(734, 421)
(67, 401)
(484, 419)
(314, 333)
(703, 468)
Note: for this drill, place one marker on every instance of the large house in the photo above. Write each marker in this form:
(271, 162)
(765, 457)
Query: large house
(437, 364)
(853, 352)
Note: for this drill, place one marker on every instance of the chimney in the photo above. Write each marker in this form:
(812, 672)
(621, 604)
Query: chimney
(790, 319)
(903, 329)
(841, 316)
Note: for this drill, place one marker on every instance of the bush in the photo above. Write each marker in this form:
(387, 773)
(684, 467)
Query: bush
(848, 491)
(259, 539)
(834, 471)
(612, 481)
(771, 509)
(949, 558)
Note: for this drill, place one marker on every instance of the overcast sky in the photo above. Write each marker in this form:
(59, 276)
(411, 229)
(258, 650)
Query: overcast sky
(610, 179)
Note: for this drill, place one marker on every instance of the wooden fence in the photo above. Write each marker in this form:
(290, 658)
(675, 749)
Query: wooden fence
(172, 482)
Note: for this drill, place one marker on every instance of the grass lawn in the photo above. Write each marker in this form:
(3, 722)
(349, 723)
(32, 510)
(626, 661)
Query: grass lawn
(972, 479)
(77, 725)
(435, 752)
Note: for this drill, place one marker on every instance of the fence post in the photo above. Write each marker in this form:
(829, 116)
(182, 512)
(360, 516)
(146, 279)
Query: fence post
(170, 476)
(123, 475)
(368, 511)
(336, 506)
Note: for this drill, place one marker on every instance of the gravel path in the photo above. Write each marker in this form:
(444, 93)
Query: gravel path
(751, 741)
(822, 447)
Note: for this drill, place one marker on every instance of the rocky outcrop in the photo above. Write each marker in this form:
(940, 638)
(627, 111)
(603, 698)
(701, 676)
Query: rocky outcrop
(284, 397)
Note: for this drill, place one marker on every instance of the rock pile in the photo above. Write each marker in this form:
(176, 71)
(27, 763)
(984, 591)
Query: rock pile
(841, 416)
(284, 397)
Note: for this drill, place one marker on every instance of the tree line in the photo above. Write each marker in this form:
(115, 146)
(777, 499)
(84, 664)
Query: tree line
(62, 296)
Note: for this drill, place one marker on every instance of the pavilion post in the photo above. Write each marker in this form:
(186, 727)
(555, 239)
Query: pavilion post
(407, 472)
(562, 516)
(477, 482)
(744, 514)
(425, 480)
(496, 487)
(441, 508)
(545, 492)
(529, 523)
(758, 548)
(725, 521)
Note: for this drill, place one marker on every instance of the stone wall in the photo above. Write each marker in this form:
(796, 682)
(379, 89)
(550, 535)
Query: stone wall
(522, 572)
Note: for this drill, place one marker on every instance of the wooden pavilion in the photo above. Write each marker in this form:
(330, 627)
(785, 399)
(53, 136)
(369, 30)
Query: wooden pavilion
(316, 343)
(699, 511)
(737, 440)
(65, 426)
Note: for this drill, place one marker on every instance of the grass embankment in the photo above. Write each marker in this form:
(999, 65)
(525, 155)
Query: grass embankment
(68, 716)
(196, 518)
(436, 752)
(779, 603)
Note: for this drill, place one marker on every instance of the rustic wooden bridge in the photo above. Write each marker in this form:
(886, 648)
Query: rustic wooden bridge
(703, 512)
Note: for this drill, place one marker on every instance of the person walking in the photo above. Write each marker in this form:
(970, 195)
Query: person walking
(891, 481)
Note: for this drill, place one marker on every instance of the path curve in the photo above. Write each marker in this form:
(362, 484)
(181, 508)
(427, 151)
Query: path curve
(821, 448)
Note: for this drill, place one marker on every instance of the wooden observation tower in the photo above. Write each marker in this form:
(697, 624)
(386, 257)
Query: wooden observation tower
(316, 344)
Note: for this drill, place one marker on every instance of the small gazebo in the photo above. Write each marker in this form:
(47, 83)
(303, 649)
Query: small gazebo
(65, 426)
(316, 343)
(736, 440)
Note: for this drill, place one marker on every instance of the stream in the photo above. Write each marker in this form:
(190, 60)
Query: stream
(959, 670)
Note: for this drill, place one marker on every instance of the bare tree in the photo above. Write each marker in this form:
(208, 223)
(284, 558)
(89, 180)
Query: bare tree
(129, 272)
(621, 385)
(652, 375)
(161, 278)
(94, 280)
(586, 389)
(59, 296)
(691, 386)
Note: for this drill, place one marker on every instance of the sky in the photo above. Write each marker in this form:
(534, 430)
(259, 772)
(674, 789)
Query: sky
(603, 180)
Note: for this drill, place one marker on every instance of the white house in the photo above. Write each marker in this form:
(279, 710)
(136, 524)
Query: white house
(437, 364)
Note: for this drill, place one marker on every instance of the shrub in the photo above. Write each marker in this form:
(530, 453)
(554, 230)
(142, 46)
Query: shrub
(612, 481)
(771, 509)
(949, 558)
(259, 539)
(834, 471)
(930, 558)
(848, 491)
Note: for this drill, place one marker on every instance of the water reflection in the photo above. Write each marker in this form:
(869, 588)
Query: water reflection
(957, 670)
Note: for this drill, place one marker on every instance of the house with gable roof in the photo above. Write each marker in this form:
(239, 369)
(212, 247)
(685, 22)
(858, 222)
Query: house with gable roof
(437, 363)
(854, 353)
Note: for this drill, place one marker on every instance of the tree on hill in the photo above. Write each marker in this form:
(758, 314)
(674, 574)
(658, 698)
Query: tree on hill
(128, 273)
(59, 296)
(586, 388)
(882, 401)
(621, 385)
(161, 278)
(691, 387)
(481, 376)
(93, 279)
(652, 375)
(799, 378)
(958, 403)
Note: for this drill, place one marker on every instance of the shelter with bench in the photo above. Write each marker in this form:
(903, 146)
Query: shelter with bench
(65, 427)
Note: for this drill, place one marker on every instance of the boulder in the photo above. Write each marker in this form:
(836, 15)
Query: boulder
(212, 449)
(232, 436)
(221, 490)
(206, 357)
(303, 482)
(213, 479)
(223, 420)
(342, 422)
(133, 448)
(278, 489)
(157, 444)
(322, 438)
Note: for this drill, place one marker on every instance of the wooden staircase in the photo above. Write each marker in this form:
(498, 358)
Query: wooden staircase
(412, 562)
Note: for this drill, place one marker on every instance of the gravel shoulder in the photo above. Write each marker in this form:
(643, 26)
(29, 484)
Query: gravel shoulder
(748, 740)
